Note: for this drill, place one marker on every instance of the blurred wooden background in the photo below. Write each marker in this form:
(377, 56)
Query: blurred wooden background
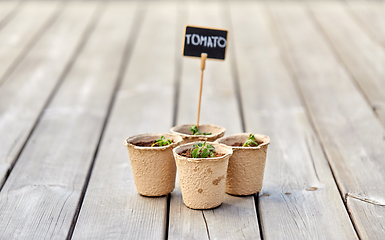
(78, 77)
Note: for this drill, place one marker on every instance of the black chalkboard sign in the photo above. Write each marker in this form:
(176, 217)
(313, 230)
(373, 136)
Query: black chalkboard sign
(198, 40)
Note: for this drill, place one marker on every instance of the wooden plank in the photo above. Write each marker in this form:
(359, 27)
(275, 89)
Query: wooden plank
(24, 95)
(112, 207)
(7, 10)
(372, 227)
(17, 37)
(236, 218)
(299, 199)
(41, 196)
(352, 136)
(363, 57)
(371, 16)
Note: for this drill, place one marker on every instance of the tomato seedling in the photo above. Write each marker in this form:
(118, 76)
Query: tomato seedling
(250, 142)
(195, 131)
(162, 142)
(202, 150)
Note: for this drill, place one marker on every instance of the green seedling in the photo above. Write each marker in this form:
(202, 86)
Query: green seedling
(202, 150)
(195, 131)
(162, 142)
(250, 142)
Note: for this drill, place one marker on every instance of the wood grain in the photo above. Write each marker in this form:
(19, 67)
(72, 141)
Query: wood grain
(299, 199)
(20, 33)
(42, 193)
(112, 207)
(364, 57)
(236, 218)
(24, 95)
(367, 215)
(310, 78)
(351, 134)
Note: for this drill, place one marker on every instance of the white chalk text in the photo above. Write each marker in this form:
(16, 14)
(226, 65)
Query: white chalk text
(206, 41)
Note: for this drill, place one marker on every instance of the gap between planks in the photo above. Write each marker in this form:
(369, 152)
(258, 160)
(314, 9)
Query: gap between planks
(344, 175)
(120, 211)
(137, 23)
(291, 119)
(20, 141)
(32, 38)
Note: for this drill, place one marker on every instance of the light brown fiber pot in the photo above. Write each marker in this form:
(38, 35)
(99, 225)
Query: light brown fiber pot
(185, 133)
(246, 165)
(153, 168)
(202, 180)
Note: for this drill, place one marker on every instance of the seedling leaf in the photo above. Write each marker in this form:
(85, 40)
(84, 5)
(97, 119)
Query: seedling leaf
(195, 131)
(201, 150)
(162, 142)
(250, 142)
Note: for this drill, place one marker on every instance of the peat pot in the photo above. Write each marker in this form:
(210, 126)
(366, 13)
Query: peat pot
(153, 168)
(246, 165)
(185, 133)
(202, 180)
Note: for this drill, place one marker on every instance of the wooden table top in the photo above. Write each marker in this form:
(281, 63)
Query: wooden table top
(78, 77)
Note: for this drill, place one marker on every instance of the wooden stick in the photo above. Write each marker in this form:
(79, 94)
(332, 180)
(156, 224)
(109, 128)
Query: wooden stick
(203, 64)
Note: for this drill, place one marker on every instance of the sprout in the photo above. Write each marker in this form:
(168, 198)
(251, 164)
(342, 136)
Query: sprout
(162, 142)
(201, 150)
(195, 131)
(250, 142)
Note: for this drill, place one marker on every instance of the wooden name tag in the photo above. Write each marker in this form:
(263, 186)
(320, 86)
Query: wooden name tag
(199, 40)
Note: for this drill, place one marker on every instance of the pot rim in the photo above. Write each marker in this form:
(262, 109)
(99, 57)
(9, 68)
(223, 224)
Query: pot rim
(214, 159)
(247, 134)
(172, 130)
(129, 144)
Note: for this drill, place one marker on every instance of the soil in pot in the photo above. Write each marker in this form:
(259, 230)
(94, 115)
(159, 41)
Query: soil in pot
(186, 134)
(153, 168)
(202, 180)
(247, 164)
(240, 144)
(187, 153)
(146, 144)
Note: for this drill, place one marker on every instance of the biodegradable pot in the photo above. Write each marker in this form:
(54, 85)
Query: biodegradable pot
(202, 180)
(185, 133)
(246, 165)
(153, 168)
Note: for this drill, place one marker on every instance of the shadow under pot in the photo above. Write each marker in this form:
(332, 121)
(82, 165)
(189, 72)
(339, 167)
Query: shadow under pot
(246, 165)
(153, 168)
(202, 180)
(186, 134)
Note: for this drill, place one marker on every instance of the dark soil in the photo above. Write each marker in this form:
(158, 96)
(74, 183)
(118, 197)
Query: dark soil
(200, 134)
(239, 144)
(145, 144)
(187, 153)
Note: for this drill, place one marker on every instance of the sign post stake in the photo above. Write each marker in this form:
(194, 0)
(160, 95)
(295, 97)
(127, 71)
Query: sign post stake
(203, 64)
(204, 43)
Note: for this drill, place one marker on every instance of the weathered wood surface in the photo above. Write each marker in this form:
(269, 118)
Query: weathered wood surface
(22, 31)
(42, 194)
(7, 10)
(25, 93)
(112, 207)
(371, 16)
(364, 57)
(352, 136)
(77, 79)
(236, 218)
(299, 199)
